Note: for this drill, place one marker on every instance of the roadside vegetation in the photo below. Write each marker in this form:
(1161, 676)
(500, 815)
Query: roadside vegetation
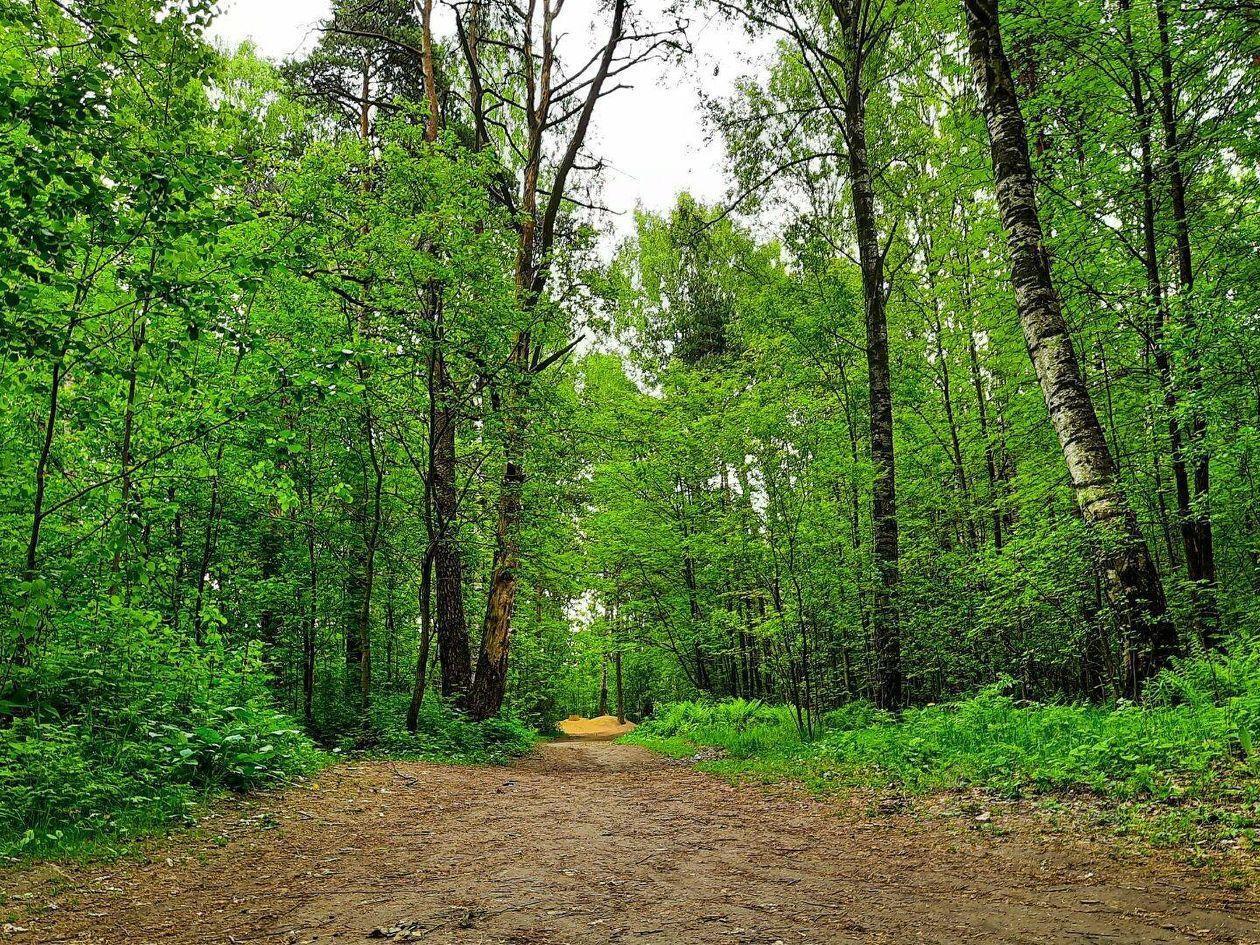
(134, 733)
(1187, 756)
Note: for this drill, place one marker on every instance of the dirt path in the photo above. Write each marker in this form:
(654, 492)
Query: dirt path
(592, 842)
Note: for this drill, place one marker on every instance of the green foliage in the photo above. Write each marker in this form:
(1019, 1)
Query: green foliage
(698, 718)
(1187, 743)
(446, 735)
(235, 300)
(133, 732)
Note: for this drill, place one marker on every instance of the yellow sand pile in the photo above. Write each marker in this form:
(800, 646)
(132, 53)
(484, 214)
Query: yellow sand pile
(604, 726)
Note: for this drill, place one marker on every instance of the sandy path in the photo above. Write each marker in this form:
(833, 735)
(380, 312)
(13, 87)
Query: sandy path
(588, 842)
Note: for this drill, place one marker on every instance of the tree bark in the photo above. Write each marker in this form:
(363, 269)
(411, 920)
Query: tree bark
(371, 541)
(1124, 562)
(887, 630)
(621, 696)
(1192, 487)
(311, 624)
(22, 645)
(490, 680)
(207, 550)
(452, 625)
(426, 637)
(532, 269)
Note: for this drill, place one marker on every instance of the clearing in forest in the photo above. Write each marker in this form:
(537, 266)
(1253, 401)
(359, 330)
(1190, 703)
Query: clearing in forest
(589, 841)
(602, 726)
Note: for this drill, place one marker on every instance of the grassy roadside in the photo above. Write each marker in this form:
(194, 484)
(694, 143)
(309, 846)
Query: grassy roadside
(71, 794)
(1181, 772)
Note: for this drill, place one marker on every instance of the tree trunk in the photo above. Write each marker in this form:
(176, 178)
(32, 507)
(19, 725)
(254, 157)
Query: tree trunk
(1192, 497)
(1126, 569)
(490, 680)
(990, 465)
(887, 632)
(452, 624)
(532, 270)
(353, 605)
(207, 551)
(270, 549)
(371, 539)
(21, 647)
(426, 636)
(311, 624)
(138, 331)
(1159, 302)
(603, 686)
(621, 696)
(308, 633)
(955, 441)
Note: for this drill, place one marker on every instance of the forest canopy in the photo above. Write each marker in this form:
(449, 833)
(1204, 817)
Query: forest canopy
(335, 411)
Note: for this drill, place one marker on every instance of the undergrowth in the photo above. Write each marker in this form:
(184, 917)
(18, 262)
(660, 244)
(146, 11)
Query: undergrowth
(442, 735)
(129, 732)
(1192, 749)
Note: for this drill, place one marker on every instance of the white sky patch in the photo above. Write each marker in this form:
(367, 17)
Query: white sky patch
(651, 137)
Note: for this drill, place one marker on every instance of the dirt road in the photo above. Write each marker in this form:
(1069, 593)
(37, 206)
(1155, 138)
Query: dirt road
(592, 842)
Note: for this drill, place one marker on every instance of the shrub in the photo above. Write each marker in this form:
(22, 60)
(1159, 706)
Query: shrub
(444, 734)
(742, 727)
(129, 729)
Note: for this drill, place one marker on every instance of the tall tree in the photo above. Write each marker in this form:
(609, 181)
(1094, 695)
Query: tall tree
(1126, 569)
(556, 112)
(843, 54)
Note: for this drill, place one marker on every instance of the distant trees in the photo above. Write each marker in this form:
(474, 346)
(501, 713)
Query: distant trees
(1008, 567)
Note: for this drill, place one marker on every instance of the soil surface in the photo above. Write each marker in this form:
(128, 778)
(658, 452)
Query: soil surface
(602, 726)
(593, 842)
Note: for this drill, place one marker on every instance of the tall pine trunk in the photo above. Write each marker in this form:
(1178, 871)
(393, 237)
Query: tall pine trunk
(1192, 488)
(447, 560)
(1125, 566)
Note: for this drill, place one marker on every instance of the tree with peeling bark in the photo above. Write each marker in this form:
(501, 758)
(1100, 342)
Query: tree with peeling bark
(1126, 569)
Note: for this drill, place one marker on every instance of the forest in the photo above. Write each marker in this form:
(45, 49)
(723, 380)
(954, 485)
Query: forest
(339, 419)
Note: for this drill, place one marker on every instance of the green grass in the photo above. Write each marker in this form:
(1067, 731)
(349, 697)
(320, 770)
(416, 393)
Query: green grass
(1189, 755)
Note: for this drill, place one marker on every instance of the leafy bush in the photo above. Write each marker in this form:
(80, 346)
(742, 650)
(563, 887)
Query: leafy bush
(990, 740)
(444, 734)
(129, 730)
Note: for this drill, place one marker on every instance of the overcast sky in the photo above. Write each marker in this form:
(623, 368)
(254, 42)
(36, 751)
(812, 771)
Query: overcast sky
(651, 137)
